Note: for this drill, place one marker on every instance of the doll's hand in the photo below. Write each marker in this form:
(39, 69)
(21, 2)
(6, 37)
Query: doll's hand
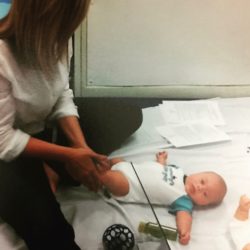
(184, 237)
(244, 203)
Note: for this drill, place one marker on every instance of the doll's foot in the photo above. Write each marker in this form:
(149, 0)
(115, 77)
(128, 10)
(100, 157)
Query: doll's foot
(161, 157)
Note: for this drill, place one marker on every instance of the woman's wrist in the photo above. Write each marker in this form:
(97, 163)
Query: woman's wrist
(79, 144)
(72, 130)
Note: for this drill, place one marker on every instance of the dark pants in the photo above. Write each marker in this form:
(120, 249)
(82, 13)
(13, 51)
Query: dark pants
(26, 201)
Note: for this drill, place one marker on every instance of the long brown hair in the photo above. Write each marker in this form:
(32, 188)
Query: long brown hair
(38, 30)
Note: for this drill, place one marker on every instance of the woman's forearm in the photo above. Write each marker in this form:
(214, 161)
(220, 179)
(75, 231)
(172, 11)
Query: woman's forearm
(72, 130)
(78, 161)
(46, 150)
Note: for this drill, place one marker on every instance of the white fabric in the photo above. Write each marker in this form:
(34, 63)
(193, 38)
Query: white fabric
(27, 100)
(169, 181)
(240, 231)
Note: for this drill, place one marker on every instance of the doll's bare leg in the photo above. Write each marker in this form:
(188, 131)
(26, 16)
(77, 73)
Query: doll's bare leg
(161, 157)
(115, 182)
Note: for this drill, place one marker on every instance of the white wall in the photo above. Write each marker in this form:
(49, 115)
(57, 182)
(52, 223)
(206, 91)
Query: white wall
(172, 48)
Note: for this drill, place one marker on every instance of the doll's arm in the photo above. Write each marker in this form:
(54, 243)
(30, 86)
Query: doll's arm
(242, 210)
(184, 224)
(161, 157)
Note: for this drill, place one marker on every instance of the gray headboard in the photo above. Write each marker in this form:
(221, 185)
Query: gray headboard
(164, 48)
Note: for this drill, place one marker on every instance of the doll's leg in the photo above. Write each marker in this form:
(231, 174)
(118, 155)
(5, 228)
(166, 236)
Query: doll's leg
(29, 206)
(115, 182)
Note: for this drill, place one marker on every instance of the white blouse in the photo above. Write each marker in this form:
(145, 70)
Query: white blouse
(29, 100)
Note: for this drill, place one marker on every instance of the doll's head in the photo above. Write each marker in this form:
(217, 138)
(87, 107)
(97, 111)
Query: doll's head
(205, 188)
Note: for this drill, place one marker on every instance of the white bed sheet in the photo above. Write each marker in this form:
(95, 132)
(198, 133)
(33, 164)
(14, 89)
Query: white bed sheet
(90, 214)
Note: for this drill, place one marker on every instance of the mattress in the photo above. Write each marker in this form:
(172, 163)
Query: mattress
(92, 213)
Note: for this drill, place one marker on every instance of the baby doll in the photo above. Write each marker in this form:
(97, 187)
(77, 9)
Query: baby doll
(165, 184)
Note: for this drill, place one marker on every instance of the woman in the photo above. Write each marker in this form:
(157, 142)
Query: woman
(34, 97)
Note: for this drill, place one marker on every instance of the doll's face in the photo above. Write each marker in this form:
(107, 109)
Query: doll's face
(205, 188)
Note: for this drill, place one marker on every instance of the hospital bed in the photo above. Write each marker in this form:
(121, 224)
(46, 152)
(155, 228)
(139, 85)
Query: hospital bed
(91, 213)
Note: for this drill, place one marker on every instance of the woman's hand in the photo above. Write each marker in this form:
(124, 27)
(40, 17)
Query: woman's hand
(82, 164)
(101, 161)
